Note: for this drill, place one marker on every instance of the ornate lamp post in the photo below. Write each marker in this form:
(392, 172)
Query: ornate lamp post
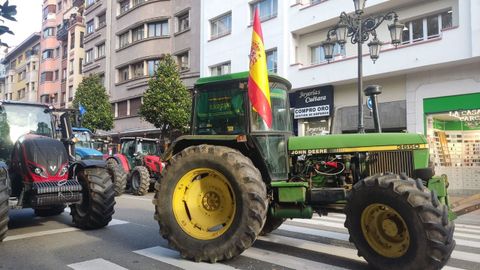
(359, 29)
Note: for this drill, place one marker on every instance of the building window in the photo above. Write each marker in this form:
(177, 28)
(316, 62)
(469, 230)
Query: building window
(32, 86)
(122, 108)
(426, 28)
(183, 61)
(80, 66)
(46, 76)
(124, 6)
(89, 56)
(64, 51)
(72, 40)
(102, 20)
(50, 9)
(183, 22)
(158, 29)
(101, 50)
(123, 40)
(152, 67)
(71, 67)
(102, 79)
(317, 54)
(70, 93)
(90, 27)
(135, 105)
(138, 33)
(221, 26)
(138, 2)
(21, 76)
(47, 54)
(220, 69)
(59, 5)
(266, 8)
(64, 74)
(82, 35)
(138, 70)
(272, 60)
(90, 2)
(123, 74)
(56, 75)
(49, 32)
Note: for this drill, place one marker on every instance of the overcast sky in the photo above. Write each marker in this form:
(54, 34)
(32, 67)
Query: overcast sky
(29, 20)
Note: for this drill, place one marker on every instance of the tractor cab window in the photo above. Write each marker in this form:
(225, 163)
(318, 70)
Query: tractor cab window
(148, 148)
(16, 121)
(85, 139)
(280, 111)
(128, 148)
(220, 112)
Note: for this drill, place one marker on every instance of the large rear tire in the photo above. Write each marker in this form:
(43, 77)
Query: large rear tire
(211, 203)
(140, 180)
(54, 210)
(96, 209)
(118, 176)
(3, 209)
(397, 223)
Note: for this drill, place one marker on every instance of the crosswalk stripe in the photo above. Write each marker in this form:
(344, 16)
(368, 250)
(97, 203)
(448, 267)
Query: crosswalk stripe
(451, 268)
(315, 232)
(460, 229)
(313, 246)
(286, 260)
(319, 222)
(96, 264)
(56, 231)
(467, 226)
(172, 257)
(467, 243)
(466, 256)
(467, 235)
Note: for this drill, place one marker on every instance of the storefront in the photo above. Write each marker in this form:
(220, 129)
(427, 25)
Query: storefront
(452, 127)
(313, 110)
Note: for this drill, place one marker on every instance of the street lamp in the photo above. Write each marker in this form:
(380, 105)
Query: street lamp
(359, 29)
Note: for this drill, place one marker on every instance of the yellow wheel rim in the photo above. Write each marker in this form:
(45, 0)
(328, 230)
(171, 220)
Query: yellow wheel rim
(385, 230)
(204, 203)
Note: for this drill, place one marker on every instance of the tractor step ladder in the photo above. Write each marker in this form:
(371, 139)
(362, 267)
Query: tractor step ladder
(466, 205)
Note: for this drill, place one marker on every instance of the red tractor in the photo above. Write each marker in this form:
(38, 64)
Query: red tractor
(38, 168)
(140, 160)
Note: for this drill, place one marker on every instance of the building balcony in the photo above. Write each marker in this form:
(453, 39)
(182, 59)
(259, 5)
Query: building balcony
(62, 33)
(78, 3)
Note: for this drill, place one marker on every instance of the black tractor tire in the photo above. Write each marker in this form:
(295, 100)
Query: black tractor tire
(118, 176)
(425, 218)
(54, 210)
(3, 210)
(96, 209)
(247, 192)
(271, 224)
(140, 180)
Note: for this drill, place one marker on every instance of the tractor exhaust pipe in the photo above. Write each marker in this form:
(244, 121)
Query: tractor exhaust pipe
(373, 91)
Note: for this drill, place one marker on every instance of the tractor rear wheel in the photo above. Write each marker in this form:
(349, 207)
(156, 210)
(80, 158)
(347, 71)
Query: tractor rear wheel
(96, 209)
(140, 180)
(211, 203)
(118, 175)
(271, 224)
(397, 223)
(3, 209)
(54, 210)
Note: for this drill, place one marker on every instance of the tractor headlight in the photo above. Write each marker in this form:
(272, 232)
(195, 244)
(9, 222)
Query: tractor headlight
(39, 171)
(64, 170)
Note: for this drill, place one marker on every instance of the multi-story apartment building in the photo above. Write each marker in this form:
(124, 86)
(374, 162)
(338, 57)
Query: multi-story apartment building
(124, 42)
(430, 82)
(21, 77)
(61, 51)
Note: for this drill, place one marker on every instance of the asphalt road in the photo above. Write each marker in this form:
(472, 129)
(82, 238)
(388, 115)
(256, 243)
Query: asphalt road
(132, 241)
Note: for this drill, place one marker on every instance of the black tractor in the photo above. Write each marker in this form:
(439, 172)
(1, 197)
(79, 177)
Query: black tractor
(38, 168)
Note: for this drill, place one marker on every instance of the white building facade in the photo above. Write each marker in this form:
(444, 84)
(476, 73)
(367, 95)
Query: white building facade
(431, 82)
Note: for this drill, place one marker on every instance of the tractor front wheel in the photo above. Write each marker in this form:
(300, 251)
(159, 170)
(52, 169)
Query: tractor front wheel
(118, 175)
(96, 209)
(140, 180)
(211, 203)
(397, 223)
(3, 209)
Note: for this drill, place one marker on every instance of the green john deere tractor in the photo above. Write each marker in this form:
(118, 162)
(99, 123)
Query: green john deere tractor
(233, 179)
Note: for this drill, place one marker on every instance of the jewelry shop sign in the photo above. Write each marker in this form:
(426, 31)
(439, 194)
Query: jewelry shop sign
(313, 102)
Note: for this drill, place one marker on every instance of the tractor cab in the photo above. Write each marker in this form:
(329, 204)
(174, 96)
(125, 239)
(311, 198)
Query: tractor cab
(85, 146)
(134, 148)
(221, 107)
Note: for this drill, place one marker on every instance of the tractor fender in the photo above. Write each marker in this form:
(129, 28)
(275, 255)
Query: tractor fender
(88, 163)
(153, 163)
(122, 161)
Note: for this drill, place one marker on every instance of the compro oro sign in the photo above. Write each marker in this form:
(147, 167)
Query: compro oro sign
(313, 102)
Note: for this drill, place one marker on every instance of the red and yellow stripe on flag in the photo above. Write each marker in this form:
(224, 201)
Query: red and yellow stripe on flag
(258, 87)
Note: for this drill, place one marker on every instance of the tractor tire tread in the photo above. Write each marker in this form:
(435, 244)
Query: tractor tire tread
(3, 211)
(118, 176)
(144, 184)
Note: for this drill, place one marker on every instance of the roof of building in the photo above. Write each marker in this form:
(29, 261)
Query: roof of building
(35, 37)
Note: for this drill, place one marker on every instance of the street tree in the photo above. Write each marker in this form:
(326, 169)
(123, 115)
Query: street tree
(7, 12)
(167, 102)
(92, 99)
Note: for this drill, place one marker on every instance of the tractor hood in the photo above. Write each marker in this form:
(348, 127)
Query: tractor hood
(45, 153)
(88, 153)
(350, 143)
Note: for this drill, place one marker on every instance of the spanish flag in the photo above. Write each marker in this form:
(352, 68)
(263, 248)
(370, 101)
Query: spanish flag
(258, 87)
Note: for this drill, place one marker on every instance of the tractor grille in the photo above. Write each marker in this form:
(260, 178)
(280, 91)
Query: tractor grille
(54, 193)
(60, 186)
(395, 162)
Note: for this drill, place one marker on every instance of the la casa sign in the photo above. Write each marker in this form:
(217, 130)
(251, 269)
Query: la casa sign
(466, 115)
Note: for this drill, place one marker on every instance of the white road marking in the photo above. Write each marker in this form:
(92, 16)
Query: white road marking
(467, 235)
(57, 231)
(451, 268)
(467, 243)
(286, 260)
(466, 256)
(320, 222)
(96, 264)
(315, 232)
(172, 257)
(130, 197)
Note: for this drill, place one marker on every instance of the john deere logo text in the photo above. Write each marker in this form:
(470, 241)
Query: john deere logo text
(408, 146)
